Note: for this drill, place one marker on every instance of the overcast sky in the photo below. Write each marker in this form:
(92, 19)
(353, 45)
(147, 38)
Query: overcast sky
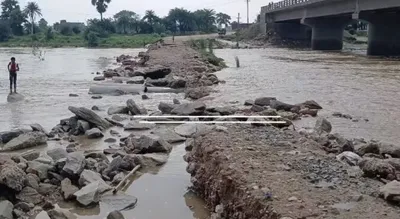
(81, 10)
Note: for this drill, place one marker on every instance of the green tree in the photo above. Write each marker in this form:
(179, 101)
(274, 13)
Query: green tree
(151, 18)
(4, 30)
(205, 20)
(12, 13)
(43, 24)
(93, 39)
(32, 10)
(101, 6)
(126, 20)
(180, 19)
(223, 19)
(7, 6)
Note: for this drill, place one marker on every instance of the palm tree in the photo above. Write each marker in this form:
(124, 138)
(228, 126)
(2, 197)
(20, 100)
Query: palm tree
(101, 6)
(32, 10)
(151, 17)
(223, 19)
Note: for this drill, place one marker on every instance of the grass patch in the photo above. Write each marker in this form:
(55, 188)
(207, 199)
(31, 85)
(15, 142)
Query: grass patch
(58, 40)
(206, 49)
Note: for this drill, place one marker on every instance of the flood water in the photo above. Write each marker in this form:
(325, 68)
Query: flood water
(348, 82)
(46, 85)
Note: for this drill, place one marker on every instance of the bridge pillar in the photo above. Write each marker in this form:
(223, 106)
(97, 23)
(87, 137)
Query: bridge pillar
(327, 33)
(383, 34)
(292, 31)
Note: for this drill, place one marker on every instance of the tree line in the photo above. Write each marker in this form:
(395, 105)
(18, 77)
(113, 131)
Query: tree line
(15, 21)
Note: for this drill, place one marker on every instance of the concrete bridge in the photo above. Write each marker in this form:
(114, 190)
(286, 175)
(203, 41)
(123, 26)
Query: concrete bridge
(324, 21)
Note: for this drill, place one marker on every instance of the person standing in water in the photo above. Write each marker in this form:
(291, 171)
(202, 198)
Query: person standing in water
(12, 69)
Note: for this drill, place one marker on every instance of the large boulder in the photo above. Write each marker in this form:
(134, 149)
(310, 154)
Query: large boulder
(94, 133)
(136, 80)
(186, 109)
(115, 215)
(118, 110)
(150, 160)
(75, 164)
(147, 144)
(39, 169)
(113, 166)
(29, 195)
(57, 153)
(264, 101)
(197, 93)
(68, 190)
(310, 104)
(133, 108)
(119, 202)
(6, 209)
(224, 111)
(9, 135)
(373, 167)
(168, 135)
(322, 126)
(26, 140)
(390, 149)
(190, 130)
(365, 148)
(87, 177)
(166, 108)
(12, 176)
(89, 194)
(90, 116)
(137, 126)
(391, 191)
(278, 105)
(14, 97)
(157, 72)
(43, 215)
(30, 155)
(38, 128)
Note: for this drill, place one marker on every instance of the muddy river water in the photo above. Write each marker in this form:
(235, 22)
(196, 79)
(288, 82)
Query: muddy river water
(347, 82)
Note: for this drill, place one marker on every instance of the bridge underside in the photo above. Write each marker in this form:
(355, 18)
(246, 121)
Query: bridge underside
(327, 31)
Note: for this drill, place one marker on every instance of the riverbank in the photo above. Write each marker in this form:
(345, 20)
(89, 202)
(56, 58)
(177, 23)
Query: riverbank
(58, 40)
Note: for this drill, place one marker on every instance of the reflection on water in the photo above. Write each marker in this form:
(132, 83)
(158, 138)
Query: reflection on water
(161, 193)
(347, 82)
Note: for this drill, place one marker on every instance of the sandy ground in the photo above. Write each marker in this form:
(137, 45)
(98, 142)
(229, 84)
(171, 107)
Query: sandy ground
(264, 172)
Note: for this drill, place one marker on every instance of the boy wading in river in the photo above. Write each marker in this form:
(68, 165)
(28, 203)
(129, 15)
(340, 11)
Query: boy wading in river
(12, 69)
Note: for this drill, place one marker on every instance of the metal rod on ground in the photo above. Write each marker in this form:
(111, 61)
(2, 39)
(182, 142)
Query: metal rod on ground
(122, 183)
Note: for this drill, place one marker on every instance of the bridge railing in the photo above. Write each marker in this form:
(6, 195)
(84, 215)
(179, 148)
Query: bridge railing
(287, 3)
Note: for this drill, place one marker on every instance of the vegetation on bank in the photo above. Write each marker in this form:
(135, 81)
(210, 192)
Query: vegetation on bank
(125, 29)
(206, 49)
(59, 40)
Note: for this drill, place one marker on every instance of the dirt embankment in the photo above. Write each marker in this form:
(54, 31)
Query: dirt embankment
(265, 172)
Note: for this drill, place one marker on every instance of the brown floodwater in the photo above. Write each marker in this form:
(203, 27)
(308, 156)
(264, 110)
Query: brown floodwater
(46, 85)
(349, 82)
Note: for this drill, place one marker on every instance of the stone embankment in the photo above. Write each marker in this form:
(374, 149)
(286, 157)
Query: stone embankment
(271, 171)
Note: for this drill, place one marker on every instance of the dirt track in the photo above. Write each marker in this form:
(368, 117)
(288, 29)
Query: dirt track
(264, 172)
